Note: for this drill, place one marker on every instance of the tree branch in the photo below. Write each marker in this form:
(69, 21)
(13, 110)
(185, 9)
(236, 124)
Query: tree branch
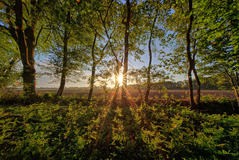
(4, 27)
(26, 8)
(38, 36)
(108, 10)
(47, 37)
(232, 82)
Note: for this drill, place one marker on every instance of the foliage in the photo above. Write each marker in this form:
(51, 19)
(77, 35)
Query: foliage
(73, 130)
(10, 72)
(218, 40)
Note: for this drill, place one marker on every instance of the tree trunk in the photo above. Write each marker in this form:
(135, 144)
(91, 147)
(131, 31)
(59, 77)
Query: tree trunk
(150, 62)
(198, 86)
(26, 42)
(117, 69)
(124, 84)
(92, 79)
(189, 57)
(236, 94)
(190, 85)
(234, 85)
(64, 70)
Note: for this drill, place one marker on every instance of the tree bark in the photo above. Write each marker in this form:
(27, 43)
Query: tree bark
(117, 70)
(92, 79)
(189, 57)
(149, 67)
(26, 42)
(65, 57)
(64, 70)
(124, 84)
(198, 86)
(234, 85)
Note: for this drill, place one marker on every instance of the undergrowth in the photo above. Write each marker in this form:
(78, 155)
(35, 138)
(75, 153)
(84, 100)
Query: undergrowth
(69, 128)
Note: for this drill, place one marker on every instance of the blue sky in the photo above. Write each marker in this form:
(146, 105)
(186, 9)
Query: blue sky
(44, 80)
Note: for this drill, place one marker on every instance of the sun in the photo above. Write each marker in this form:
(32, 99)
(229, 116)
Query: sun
(120, 79)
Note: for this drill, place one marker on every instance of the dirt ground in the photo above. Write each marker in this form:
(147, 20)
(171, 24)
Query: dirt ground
(178, 94)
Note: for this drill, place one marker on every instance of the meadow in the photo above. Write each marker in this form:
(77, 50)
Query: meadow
(70, 127)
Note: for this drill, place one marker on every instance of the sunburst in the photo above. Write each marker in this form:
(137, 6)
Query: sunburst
(120, 79)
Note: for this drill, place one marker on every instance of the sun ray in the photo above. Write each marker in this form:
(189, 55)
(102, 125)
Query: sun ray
(134, 105)
(107, 110)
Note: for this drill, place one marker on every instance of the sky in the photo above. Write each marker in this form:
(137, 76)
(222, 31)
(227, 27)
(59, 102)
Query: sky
(44, 81)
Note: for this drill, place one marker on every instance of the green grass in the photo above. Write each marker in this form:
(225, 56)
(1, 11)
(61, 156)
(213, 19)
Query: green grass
(68, 128)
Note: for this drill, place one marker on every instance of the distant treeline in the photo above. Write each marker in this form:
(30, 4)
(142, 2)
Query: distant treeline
(206, 85)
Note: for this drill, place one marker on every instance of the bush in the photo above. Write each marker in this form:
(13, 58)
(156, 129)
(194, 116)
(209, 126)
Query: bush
(75, 131)
(49, 95)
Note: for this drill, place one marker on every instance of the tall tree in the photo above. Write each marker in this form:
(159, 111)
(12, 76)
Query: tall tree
(189, 56)
(110, 23)
(67, 34)
(180, 23)
(20, 20)
(126, 54)
(100, 10)
(95, 62)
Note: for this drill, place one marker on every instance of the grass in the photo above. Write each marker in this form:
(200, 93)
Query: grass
(50, 127)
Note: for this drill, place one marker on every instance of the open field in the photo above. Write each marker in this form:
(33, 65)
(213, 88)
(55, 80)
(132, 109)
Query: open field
(134, 93)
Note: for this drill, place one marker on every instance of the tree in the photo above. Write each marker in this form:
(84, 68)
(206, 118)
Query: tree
(218, 36)
(185, 48)
(153, 13)
(99, 23)
(126, 54)
(67, 54)
(94, 64)
(110, 23)
(133, 25)
(20, 21)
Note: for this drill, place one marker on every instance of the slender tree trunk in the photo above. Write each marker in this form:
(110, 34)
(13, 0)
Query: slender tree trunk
(150, 62)
(64, 70)
(124, 84)
(236, 94)
(190, 85)
(117, 69)
(198, 86)
(189, 57)
(92, 79)
(234, 85)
